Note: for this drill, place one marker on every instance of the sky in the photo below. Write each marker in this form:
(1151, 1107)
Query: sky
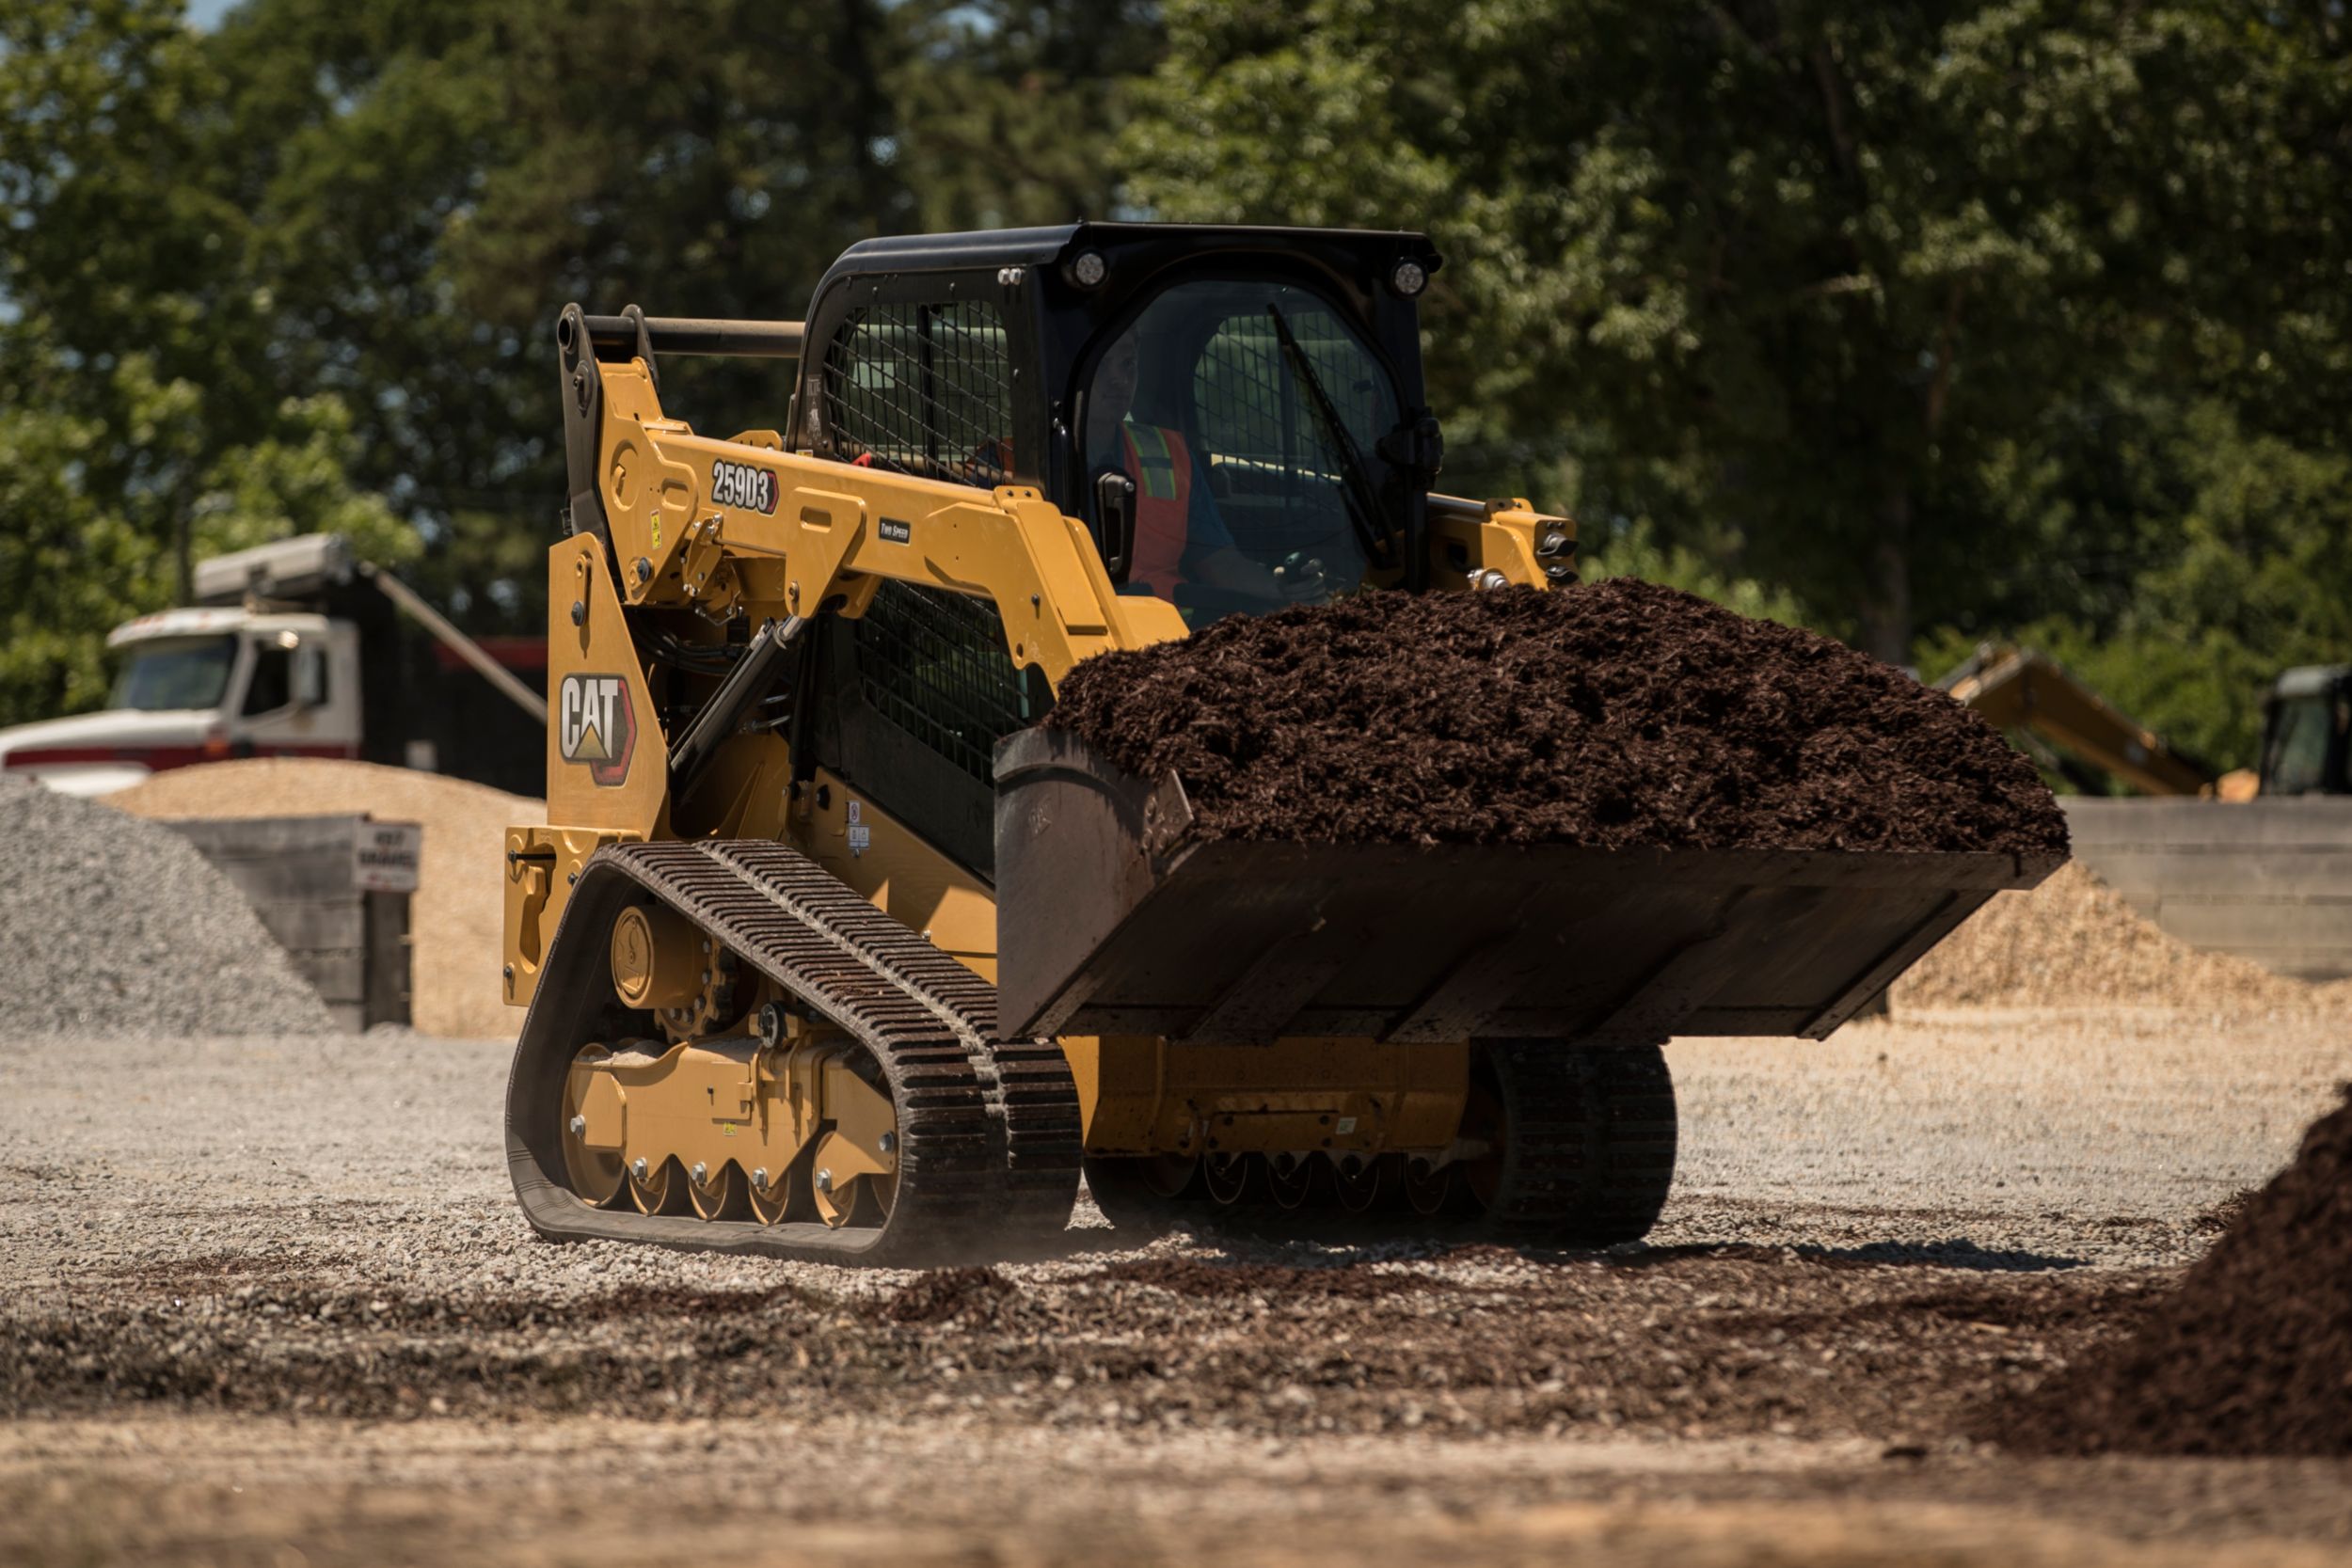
(207, 13)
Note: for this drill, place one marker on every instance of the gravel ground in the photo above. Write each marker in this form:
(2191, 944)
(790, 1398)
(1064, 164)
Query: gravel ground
(109, 923)
(262, 1291)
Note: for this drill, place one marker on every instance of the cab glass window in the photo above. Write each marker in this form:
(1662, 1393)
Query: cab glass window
(1247, 415)
(2299, 746)
(272, 686)
(176, 673)
(922, 389)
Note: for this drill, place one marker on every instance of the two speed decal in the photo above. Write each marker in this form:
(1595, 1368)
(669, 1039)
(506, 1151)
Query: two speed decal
(742, 485)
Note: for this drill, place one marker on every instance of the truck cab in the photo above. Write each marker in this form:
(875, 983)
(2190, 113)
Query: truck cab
(203, 685)
(268, 663)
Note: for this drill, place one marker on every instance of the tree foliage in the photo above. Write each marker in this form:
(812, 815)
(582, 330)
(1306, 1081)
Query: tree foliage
(1922, 323)
(144, 421)
(1859, 300)
(300, 271)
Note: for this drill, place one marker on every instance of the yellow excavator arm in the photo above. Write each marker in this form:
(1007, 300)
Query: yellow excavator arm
(2020, 689)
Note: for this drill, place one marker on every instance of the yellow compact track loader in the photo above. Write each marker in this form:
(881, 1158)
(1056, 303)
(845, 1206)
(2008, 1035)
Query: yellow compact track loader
(830, 952)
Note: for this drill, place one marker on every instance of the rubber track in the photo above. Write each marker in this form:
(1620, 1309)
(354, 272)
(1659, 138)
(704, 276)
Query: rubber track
(1591, 1151)
(989, 1132)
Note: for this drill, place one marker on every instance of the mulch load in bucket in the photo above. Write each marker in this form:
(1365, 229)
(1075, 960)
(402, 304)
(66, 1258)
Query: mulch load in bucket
(1616, 715)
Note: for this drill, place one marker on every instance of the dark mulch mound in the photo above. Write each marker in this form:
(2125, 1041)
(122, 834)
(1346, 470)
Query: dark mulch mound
(1187, 1277)
(939, 1294)
(1615, 715)
(2252, 1355)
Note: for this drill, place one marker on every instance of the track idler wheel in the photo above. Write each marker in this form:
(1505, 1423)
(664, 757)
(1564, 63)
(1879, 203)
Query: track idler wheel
(1291, 1179)
(855, 1166)
(769, 1195)
(655, 1187)
(1232, 1179)
(596, 1174)
(1429, 1190)
(1361, 1184)
(853, 1200)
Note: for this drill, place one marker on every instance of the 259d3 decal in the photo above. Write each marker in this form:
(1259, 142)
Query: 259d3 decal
(740, 484)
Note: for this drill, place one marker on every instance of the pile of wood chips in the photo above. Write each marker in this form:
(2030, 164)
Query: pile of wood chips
(2074, 942)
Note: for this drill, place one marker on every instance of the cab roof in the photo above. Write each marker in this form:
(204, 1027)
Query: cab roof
(2312, 680)
(198, 622)
(1052, 244)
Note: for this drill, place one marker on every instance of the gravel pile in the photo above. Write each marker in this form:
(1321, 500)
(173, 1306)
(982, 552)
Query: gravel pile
(114, 926)
(1615, 715)
(2252, 1355)
(455, 919)
(2074, 942)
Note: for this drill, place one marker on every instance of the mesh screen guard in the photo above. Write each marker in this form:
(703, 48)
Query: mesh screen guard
(924, 390)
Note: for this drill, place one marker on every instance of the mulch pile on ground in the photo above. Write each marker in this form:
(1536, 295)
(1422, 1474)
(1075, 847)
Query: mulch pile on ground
(115, 926)
(2252, 1355)
(1613, 715)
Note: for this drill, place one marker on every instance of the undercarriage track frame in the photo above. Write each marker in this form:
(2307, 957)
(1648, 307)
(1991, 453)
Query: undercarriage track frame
(989, 1139)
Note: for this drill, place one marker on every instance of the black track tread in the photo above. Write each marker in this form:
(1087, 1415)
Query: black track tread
(989, 1131)
(1591, 1156)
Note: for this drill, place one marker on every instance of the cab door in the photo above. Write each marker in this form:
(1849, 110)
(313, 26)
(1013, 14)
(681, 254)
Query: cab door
(298, 698)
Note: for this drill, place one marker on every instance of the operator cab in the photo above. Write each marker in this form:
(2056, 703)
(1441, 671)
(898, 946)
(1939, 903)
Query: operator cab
(1229, 428)
(1235, 413)
(2307, 733)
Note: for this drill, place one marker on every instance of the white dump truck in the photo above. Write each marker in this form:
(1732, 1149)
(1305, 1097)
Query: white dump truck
(292, 649)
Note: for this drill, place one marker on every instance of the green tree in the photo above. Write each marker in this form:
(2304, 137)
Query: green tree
(2256, 577)
(140, 424)
(432, 183)
(1800, 283)
(302, 271)
(1010, 110)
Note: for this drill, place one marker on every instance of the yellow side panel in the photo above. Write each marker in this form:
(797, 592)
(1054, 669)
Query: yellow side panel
(542, 865)
(608, 766)
(649, 499)
(908, 879)
(1142, 1095)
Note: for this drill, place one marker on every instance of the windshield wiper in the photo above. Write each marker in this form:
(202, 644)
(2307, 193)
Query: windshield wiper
(1373, 524)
